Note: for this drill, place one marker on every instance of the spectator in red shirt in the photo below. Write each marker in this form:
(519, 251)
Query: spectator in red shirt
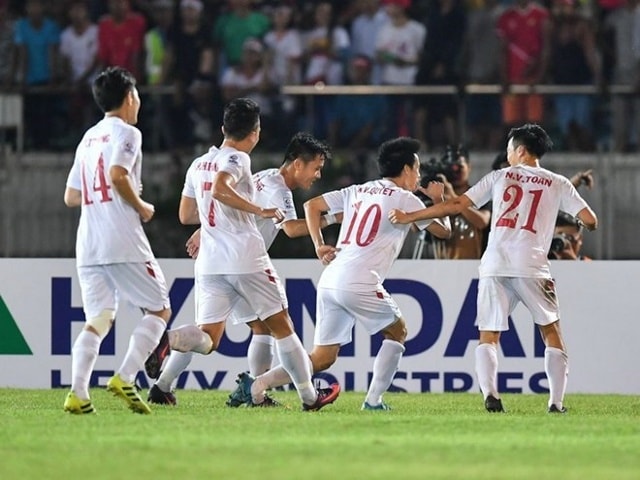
(121, 38)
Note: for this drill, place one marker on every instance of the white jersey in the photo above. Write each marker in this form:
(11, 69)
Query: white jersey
(230, 240)
(272, 192)
(110, 230)
(526, 201)
(369, 243)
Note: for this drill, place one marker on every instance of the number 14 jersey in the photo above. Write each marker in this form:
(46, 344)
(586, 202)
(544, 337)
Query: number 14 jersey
(110, 230)
(526, 201)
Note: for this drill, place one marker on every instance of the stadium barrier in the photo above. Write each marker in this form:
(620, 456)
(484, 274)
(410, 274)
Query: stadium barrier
(41, 314)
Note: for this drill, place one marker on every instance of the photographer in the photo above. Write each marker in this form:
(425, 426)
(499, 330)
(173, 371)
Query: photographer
(567, 239)
(467, 229)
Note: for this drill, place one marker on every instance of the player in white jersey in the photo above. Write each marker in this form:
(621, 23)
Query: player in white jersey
(514, 268)
(232, 262)
(303, 161)
(113, 256)
(350, 288)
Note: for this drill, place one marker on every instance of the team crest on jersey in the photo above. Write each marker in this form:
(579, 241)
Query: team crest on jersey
(288, 202)
(234, 159)
(128, 147)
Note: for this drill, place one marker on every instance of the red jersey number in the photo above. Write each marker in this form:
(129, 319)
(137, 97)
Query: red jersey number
(514, 194)
(362, 237)
(100, 184)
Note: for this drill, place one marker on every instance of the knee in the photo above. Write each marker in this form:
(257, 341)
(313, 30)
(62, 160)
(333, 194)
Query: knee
(322, 360)
(101, 323)
(396, 332)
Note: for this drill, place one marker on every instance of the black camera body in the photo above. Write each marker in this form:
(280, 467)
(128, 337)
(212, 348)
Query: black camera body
(559, 242)
(449, 165)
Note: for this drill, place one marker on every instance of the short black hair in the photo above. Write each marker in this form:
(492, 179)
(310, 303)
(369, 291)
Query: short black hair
(532, 137)
(111, 87)
(394, 154)
(241, 117)
(306, 147)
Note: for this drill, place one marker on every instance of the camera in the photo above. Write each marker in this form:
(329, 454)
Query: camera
(449, 165)
(559, 243)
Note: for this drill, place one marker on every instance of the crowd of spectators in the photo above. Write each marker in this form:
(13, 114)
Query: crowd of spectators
(192, 56)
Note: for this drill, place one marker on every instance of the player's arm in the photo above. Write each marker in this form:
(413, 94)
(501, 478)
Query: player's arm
(223, 190)
(122, 183)
(72, 197)
(298, 227)
(188, 211)
(588, 218)
(452, 206)
(313, 216)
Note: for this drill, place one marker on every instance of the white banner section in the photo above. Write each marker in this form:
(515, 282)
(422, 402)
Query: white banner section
(41, 314)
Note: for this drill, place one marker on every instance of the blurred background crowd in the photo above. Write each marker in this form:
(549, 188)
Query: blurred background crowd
(481, 66)
(191, 56)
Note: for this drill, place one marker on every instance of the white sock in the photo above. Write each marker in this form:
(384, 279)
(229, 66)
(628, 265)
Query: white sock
(276, 377)
(487, 369)
(189, 338)
(385, 366)
(177, 363)
(297, 364)
(83, 358)
(144, 339)
(556, 366)
(260, 354)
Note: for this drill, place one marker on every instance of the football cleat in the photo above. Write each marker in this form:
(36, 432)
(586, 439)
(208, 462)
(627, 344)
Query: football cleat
(242, 394)
(380, 406)
(325, 397)
(554, 409)
(73, 404)
(268, 402)
(159, 397)
(493, 404)
(129, 393)
(153, 364)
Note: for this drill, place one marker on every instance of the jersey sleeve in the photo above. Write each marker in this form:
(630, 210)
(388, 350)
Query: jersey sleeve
(413, 203)
(283, 199)
(235, 164)
(571, 201)
(189, 188)
(73, 179)
(481, 193)
(126, 148)
(336, 199)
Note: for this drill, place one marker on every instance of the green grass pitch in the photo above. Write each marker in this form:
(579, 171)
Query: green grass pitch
(425, 436)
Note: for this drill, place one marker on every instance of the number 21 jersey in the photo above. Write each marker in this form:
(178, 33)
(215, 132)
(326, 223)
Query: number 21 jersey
(526, 201)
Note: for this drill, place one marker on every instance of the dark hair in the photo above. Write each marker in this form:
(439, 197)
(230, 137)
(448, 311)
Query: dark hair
(241, 117)
(532, 137)
(111, 87)
(305, 147)
(500, 161)
(394, 154)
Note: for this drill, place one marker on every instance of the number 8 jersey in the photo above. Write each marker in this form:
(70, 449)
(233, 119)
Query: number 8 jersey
(526, 201)
(369, 243)
(110, 230)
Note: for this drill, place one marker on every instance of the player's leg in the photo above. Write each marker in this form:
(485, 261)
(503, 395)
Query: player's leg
(260, 350)
(539, 296)
(378, 312)
(496, 300)
(215, 299)
(143, 284)
(98, 299)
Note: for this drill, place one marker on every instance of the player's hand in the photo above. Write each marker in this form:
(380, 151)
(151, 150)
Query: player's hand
(146, 211)
(274, 213)
(435, 191)
(327, 253)
(449, 191)
(193, 244)
(583, 178)
(398, 216)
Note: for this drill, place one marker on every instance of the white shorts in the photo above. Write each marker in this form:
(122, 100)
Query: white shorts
(338, 310)
(141, 284)
(499, 296)
(242, 313)
(219, 295)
